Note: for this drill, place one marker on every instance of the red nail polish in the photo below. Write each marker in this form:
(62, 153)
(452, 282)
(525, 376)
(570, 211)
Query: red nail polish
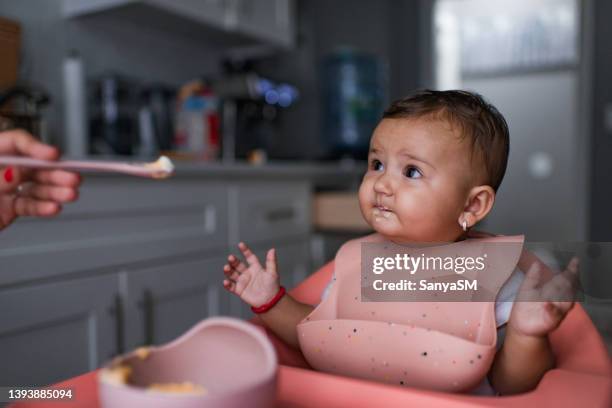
(8, 174)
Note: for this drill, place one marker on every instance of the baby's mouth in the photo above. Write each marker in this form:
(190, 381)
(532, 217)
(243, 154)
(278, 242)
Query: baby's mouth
(381, 211)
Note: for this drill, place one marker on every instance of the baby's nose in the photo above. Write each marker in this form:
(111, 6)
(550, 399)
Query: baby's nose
(383, 185)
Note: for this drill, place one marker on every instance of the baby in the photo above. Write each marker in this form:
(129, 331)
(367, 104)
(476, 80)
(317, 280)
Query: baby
(435, 163)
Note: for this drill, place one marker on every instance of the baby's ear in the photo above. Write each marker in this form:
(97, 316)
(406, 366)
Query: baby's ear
(480, 202)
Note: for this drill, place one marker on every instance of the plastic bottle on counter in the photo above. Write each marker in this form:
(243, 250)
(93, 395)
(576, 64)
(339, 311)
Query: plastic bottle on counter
(354, 96)
(75, 105)
(197, 125)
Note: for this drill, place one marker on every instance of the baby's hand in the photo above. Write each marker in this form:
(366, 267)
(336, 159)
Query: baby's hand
(254, 284)
(538, 318)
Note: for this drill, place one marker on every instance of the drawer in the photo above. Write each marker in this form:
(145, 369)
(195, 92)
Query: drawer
(54, 331)
(116, 223)
(166, 300)
(270, 211)
(338, 211)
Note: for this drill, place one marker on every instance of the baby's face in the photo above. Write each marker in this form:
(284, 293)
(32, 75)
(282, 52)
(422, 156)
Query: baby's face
(418, 179)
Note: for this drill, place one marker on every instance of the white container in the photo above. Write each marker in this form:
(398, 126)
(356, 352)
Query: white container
(75, 107)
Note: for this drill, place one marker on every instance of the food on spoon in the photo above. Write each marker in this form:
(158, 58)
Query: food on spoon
(163, 167)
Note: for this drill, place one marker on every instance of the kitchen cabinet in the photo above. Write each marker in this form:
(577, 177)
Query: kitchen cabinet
(137, 262)
(165, 300)
(267, 211)
(270, 20)
(53, 331)
(116, 222)
(267, 22)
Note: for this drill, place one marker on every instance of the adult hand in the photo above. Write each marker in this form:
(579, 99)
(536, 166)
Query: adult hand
(28, 192)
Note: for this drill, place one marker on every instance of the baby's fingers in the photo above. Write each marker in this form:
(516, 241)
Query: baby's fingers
(532, 277)
(235, 263)
(230, 272)
(271, 262)
(564, 307)
(571, 271)
(250, 257)
(562, 287)
(229, 285)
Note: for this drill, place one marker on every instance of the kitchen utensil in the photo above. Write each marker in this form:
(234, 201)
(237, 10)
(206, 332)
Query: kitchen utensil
(113, 125)
(161, 168)
(20, 107)
(159, 100)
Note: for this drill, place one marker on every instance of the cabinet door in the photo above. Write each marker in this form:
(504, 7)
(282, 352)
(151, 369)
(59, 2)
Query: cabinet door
(271, 20)
(294, 263)
(134, 221)
(164, 301)
(269, 211)
(58, 330)
(212, 12)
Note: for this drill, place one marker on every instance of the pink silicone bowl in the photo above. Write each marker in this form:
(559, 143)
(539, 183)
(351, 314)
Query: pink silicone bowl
(232, 359)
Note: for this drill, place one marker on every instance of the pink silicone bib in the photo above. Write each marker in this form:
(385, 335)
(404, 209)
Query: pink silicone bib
(444, 346)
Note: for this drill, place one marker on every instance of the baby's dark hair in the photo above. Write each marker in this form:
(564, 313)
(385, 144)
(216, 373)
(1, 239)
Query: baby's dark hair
(477, 119)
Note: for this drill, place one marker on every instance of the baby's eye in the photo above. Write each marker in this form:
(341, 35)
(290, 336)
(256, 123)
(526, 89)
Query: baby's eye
(376, 165)
(413, 172)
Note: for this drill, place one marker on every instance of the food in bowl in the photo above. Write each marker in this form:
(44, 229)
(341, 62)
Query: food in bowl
(178, 388)
(120, 375)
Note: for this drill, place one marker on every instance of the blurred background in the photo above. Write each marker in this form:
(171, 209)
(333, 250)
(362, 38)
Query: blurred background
(307, 80)
(267, 107)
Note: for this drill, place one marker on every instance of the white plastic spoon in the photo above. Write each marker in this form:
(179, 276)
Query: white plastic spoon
(161, 168)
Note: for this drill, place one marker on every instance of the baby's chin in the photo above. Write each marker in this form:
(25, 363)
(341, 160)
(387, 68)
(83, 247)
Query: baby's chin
(393, 231)
(385, 227)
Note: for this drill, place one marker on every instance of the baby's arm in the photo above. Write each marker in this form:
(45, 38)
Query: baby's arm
(526, 353)
(257, 286)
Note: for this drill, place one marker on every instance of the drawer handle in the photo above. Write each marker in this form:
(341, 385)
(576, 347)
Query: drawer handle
(148, 320)
(210, 219)
(280, 214)
(117, 310)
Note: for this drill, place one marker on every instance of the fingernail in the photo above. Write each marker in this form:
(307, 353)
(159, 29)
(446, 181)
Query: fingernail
(8, 174)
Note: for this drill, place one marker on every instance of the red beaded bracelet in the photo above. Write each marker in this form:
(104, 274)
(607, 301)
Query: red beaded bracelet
(267, 306)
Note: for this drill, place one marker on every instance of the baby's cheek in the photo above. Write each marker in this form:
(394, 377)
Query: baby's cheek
(365, 196)
(418, 215)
